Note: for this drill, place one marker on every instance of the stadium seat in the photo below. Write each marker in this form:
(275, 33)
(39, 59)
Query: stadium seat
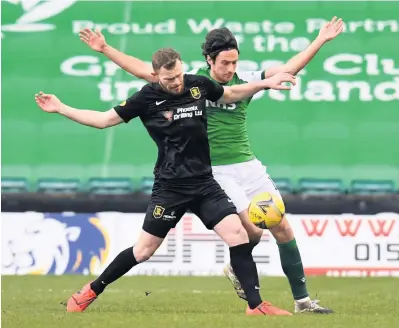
(284, 186)
(110, 186)
(315, 187)
(58, 186)
(146, 185)
(14, 185)
(370, 187)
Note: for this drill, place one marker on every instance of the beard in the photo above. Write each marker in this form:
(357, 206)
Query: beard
(172, 92)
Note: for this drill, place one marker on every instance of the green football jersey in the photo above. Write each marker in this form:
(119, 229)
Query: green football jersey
(227, 128)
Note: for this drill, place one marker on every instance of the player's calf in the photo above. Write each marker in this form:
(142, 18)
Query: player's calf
(232, 232)
(254, 235)
(79, 301)
(291, 264)
(290, 258)
(145, 247)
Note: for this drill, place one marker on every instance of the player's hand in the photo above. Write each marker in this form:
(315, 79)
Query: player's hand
(331, 29)
(277, 80)
(49, 103)
(95, 40)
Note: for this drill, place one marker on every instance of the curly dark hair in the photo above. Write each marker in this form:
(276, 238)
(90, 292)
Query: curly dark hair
(218, 40)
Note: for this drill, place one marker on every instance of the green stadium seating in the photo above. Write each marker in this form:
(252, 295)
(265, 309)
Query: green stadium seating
(110, 186)
(120, 186)
(315, 187)
(146, 185)
(370, 187)
(284, 186)
(14, 185)
(58, 186)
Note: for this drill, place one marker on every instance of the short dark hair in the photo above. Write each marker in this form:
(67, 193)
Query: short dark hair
(218, 40)
(166, 58)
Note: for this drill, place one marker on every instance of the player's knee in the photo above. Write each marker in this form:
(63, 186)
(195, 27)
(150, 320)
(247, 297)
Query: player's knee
(254, 233)
(232, 231)
(283, 232)
(241, 234)
(143, 253)
(146, 246)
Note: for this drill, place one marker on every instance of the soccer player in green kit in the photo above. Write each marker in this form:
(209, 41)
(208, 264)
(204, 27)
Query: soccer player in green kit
(234, 166)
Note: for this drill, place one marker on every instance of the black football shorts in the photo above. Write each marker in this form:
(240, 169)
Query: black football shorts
(170, 201)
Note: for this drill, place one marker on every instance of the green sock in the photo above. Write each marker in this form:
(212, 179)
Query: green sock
(292, 266)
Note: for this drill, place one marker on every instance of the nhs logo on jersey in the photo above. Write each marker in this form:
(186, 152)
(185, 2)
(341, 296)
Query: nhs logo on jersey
(214, 104)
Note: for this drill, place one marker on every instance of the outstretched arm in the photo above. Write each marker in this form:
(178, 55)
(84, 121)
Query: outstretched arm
(96, 41)
(100, 120)
(240, 92)
(328, 32)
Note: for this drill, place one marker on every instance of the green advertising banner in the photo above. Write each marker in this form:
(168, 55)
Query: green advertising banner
(340, 121)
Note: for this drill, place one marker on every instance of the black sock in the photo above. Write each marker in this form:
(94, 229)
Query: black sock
(116, 269)
(244, 267)
(252, 245)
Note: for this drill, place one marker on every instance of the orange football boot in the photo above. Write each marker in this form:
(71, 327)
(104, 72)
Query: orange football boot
(265, 308)
(79, 301)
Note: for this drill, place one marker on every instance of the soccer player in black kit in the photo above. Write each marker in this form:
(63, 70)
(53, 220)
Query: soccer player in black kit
(174, 114)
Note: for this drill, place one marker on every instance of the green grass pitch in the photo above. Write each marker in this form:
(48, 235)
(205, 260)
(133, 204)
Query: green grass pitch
(34, 301)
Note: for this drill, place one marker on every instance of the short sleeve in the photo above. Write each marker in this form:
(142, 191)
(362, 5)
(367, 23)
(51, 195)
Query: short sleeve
(214, 91)
(132, 107)
(251, 76)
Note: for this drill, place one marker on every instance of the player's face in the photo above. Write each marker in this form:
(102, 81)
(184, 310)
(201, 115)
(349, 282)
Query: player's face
(225, 65)
(171, 80)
